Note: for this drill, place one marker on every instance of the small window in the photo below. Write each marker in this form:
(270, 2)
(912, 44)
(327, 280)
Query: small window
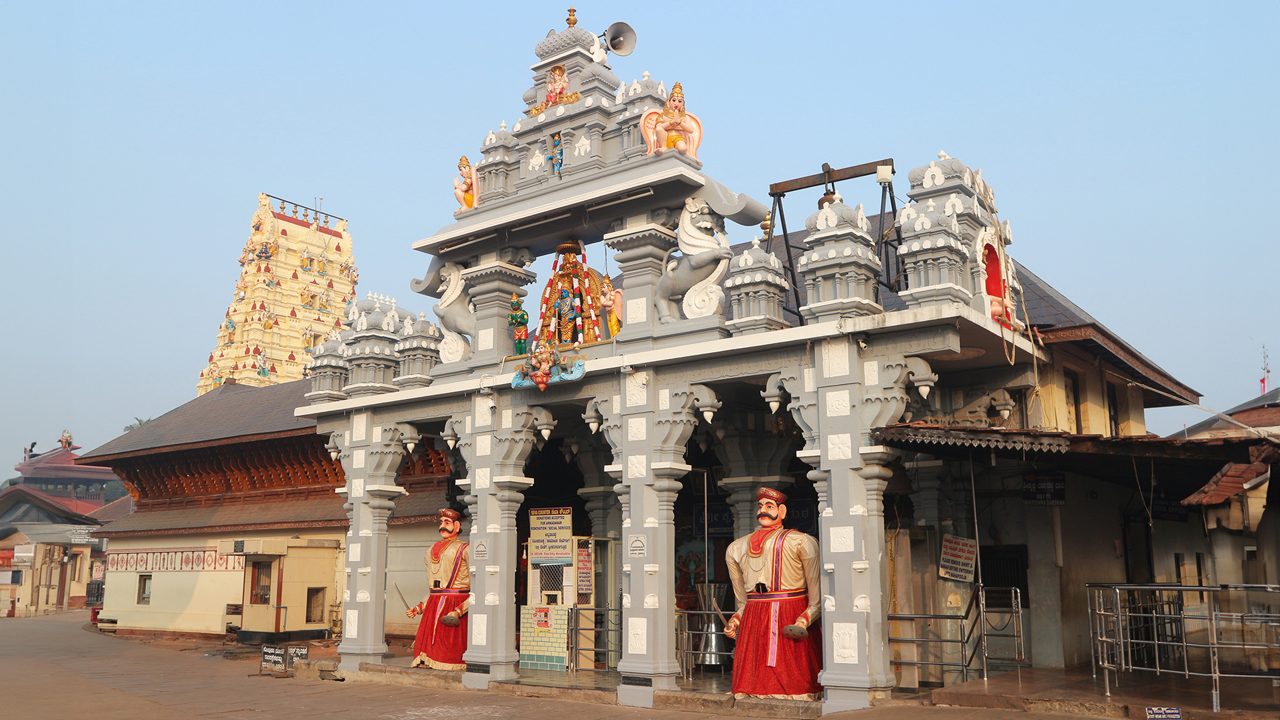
(1004, 568)
(1113, 409)
(315, 605)
(76, 558)
(144, 589)
(260, 583)
(1071, 388)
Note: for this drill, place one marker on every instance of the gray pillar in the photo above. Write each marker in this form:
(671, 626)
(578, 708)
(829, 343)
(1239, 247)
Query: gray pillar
(491, 286)
(642, 250)
(495, 441)
(875, 474)
(371, 457)
(836, 403)
(648, 426)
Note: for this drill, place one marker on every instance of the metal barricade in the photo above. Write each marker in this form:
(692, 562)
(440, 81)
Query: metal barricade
(700, 640)
(955, 642)
(595, 638)
(1227, 631)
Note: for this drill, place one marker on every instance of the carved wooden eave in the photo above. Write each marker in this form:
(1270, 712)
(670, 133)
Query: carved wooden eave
(1101, 341)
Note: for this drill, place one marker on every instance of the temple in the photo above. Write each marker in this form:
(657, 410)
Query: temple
(966, 447)
(297, 275)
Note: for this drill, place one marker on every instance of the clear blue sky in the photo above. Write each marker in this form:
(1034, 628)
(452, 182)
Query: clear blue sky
(1133, 148)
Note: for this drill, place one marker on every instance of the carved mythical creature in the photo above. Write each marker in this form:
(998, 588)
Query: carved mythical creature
(444, 280)
(672, 127)
(696, 275)
(466, 187)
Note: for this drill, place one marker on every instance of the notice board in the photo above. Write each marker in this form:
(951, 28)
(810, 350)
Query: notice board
(959, 556)
(551, 536)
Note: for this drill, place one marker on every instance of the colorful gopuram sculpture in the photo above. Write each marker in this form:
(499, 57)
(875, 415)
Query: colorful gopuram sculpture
(466, 187)
(285, 299)
(611, 302)
(672, 127)
(571, 300)
(774, 572)
(442, 632)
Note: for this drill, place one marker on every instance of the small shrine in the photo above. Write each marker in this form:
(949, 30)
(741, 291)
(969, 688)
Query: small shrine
(297, 275)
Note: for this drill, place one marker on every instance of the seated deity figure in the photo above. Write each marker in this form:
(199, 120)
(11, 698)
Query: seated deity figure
(672, 128)
(557, 85)
(466, 185)
(442, 632)
(774, 572)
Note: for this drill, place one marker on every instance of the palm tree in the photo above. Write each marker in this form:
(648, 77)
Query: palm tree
(137, 423)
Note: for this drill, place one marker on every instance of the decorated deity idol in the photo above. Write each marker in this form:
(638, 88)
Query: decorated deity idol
(442, 632)
(611, 301)
(518, 321)
(570, 308)
(557, 85)
(774, 572)
(466, 185)
(672, 127)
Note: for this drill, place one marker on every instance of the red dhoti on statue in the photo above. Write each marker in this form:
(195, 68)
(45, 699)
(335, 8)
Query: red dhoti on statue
(768, 663)
(437, 645)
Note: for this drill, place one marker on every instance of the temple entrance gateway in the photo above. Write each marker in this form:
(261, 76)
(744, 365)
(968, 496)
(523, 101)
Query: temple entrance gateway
(615, 450)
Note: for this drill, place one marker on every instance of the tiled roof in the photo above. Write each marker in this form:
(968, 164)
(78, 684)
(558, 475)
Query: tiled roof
(113, 510)
(1269, 399)
(60, 463)
(230, 411)
(1229, 482)
(75, 510)
(325, 511)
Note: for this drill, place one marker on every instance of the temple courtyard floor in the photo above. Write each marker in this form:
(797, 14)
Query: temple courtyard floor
(59, 667)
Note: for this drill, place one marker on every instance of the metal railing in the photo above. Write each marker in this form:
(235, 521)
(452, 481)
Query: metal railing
(1227, 631)
(954, 642)
(700, 640)
(594, 634)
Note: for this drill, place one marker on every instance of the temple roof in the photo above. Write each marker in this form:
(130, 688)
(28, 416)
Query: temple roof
(420, 505)
(61, 463)
(229, 413)
(74, 511)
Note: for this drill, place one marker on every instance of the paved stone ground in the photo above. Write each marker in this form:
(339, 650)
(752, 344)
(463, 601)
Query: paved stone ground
(53, 667)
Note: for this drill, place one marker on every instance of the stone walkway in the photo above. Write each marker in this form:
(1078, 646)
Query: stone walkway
(53, 667)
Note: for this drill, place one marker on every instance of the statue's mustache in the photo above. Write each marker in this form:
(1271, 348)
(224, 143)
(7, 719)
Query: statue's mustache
(766, 515)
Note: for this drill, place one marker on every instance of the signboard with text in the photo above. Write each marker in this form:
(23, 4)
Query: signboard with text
(959, 556)
(551, 536)
(1044, 489)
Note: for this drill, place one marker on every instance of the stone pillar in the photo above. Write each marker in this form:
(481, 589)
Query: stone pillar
(371, 457)
(642, 251)
(926, 493)
(836, 403)
(875, 474)
(491, 285)
(592, 455)
(495, 442)
(648, 426)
